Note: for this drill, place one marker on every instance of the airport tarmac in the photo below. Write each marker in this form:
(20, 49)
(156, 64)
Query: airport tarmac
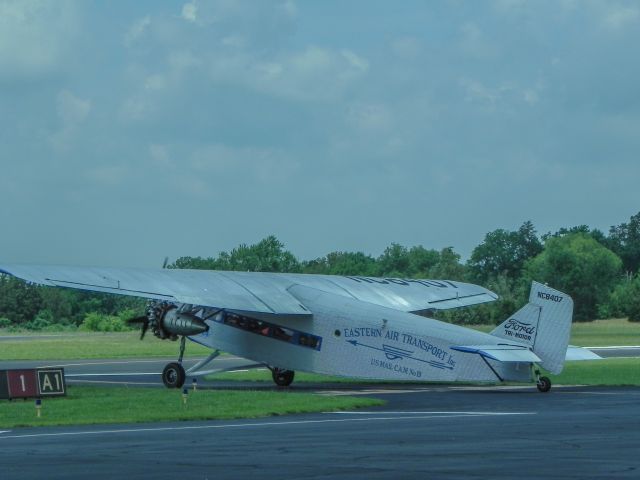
(422, 432)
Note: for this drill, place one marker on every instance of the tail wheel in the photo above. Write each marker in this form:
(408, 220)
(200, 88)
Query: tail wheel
(282, 377)
(544, 384)
(173, 375)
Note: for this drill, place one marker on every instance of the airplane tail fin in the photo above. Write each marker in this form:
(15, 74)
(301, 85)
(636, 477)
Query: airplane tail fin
(543, 324)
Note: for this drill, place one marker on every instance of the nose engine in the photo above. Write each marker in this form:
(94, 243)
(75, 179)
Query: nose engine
(175, 323)
(167, 321)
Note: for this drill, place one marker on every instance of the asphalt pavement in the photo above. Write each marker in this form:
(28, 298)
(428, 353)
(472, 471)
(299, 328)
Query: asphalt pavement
(422, 432)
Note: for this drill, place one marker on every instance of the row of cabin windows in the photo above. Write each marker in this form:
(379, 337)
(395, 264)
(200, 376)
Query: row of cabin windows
(278, 332)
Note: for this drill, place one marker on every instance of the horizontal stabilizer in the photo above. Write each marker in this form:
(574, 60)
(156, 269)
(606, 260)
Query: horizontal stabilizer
(501, 353)
(579, 353)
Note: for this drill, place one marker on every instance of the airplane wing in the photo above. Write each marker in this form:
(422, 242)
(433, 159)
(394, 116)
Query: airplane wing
(580, 353)
(253, 292)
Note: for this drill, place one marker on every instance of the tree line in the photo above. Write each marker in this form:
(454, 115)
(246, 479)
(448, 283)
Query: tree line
(599, 270)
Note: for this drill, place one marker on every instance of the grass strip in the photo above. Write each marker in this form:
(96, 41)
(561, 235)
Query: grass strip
(69, 346)
(608, 371)
(101, 405)
(94, 345)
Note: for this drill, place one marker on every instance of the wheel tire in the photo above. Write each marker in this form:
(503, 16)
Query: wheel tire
(282, 377)
(544, 384)
(173, 375)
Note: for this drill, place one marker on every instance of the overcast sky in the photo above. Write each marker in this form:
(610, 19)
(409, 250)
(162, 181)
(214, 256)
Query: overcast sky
(131, 131)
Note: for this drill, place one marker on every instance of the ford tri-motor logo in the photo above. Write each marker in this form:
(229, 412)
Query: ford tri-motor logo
(520, 330)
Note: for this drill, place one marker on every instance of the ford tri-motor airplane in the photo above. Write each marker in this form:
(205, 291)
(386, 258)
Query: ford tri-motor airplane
(357, 327)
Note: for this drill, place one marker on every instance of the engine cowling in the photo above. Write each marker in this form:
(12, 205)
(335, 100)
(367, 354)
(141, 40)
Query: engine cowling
(175, 323)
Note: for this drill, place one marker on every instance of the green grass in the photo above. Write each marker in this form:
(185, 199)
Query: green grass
(264, 375)
(600, 333)
(614, 331)
(99, 405)
(609, 371)
(94, 345)
(127, 344)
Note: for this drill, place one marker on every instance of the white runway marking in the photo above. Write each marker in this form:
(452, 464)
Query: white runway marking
(601, 393)
(431, 413)
(106, 382)
(127, 362)
(250, 425)
(108, 374)
(616, 347)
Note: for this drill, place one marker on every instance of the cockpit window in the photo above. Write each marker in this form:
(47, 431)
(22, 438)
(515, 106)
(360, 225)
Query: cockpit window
(271, 330)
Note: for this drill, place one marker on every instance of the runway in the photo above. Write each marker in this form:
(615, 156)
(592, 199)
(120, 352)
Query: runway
(451, 432)
(422, 431)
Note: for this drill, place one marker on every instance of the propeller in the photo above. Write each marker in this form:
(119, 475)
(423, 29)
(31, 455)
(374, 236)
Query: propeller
(144, 321)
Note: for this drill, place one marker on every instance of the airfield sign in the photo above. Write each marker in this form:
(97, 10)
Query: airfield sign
(32, 383)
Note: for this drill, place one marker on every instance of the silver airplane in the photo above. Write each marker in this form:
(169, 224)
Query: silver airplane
(351, 326)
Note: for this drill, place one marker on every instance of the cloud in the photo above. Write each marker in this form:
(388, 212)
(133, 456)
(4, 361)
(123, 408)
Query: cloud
(108, 175)
(190, 12)
(262, 165)
(35, 36)
(137, 30)
(72, 112)
(618, 17)
(313, 74)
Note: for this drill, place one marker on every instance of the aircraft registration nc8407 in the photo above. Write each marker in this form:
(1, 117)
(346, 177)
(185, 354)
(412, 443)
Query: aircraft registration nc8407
(358, 327)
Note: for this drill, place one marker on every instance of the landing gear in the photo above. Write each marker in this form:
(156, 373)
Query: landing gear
(543, 384)
(282, 377)
(173, 375)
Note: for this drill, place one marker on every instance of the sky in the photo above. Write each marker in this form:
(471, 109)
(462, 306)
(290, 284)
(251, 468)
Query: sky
(131, 131)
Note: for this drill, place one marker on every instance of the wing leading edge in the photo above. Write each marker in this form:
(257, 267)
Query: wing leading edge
(264, 293)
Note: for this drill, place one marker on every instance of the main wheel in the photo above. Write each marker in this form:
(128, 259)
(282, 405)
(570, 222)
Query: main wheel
(282, 377)
(544, 384)
(173, 375)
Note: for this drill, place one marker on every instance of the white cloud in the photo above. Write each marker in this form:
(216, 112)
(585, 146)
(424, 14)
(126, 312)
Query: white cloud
(475, 43)
(262, 165)
(155, 82)
(160, 155)
(406, 47)
(35, 36)
(72, 111)
(314, 74)
(618, 17)
(370, 117)
(190, 12)
(137, 30)
(108, 175)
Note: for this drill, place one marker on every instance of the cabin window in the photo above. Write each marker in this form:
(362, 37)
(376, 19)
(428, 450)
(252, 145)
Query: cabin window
(271, 330)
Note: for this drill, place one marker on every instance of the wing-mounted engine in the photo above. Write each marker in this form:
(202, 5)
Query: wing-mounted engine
(170, 321)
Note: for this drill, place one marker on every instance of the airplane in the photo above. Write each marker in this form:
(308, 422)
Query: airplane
(350, 326)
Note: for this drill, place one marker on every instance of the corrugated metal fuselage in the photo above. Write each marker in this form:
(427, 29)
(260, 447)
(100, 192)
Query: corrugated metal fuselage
(362, 340)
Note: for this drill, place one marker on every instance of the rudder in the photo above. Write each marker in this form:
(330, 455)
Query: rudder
(543, 324)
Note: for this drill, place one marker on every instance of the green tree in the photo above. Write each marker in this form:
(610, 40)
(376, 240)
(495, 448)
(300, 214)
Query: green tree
(19, 301)
(343, 263)
(423, 261)
(448, 266)
(394, 262)
(504, 253)
(268, 255)
(624, 240)
(580, 266)
(624, 301)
